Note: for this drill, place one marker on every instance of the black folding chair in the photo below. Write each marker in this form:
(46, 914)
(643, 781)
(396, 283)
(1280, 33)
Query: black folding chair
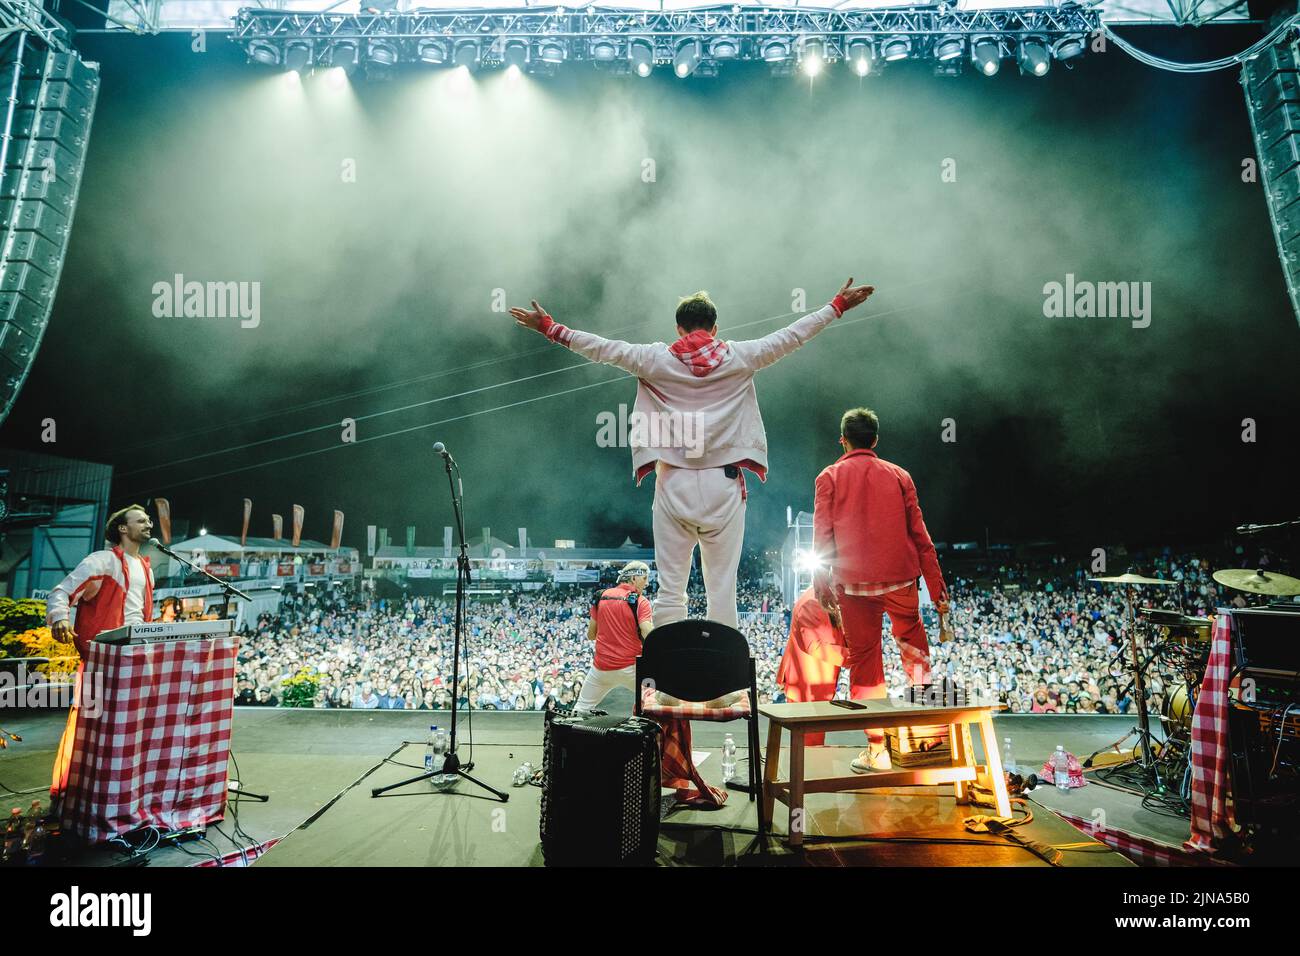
(697, 661)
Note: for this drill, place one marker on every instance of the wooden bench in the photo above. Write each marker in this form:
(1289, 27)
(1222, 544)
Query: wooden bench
(824, 717)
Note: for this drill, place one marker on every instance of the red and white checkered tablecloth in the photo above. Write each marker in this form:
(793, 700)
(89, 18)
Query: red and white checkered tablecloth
(1211, 814)
(151, 737)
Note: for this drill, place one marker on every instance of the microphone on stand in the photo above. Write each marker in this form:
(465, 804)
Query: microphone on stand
(164, 549)
(441, 449)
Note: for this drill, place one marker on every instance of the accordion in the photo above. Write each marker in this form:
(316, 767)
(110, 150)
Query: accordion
(600, 790)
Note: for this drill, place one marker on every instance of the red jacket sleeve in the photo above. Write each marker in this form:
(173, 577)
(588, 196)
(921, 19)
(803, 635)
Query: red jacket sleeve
(921, 539)
(824, 519)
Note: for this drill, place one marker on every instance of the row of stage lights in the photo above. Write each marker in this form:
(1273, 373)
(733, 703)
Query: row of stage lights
(690, 55)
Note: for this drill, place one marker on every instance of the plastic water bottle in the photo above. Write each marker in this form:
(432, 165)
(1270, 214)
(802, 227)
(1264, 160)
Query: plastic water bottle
(1061, 769)
(429, 753)
(12, 847)
(441, 780)
(728, 759)
(1008, 761)
(34, 836)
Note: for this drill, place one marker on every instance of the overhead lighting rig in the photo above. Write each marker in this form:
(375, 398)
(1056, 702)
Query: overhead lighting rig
(694, 42)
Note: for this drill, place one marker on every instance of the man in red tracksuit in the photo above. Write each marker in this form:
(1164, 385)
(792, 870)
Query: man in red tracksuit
(868, 529)
(810, 667)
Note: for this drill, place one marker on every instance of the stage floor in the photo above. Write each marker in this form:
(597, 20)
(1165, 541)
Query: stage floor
(318, 767)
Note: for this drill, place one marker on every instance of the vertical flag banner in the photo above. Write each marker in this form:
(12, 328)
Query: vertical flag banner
(446, 541)
(164, 509)
(523, 542)
(298, 514)
(336, 538)
(277, 526)
(383, 538)
(370, 540)
(410, 540)
(248, 514)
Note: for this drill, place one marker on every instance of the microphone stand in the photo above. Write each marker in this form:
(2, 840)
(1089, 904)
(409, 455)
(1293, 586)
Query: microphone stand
(451, 763)
(232, 786)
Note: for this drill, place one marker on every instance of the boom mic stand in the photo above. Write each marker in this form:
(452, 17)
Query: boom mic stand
(451, 763)
(227, 589)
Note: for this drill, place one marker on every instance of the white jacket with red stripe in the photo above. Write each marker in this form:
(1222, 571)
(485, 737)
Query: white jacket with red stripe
(97, 587)
(726, 426)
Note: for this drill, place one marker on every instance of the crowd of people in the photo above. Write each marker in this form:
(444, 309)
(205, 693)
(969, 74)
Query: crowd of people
(1038, 637)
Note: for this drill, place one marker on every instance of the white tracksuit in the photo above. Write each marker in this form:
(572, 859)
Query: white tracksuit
(692, 426)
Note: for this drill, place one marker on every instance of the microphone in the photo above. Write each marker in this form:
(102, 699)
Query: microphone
(162, 547)
(441, 449)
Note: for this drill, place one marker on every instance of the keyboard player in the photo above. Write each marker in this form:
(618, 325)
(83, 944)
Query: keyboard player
(109, 588)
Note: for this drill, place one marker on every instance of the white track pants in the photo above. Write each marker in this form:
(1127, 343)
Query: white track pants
(697, 506)
(599, 683)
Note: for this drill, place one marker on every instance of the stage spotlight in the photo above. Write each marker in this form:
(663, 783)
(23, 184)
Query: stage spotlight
(725, 48)
(1067, 48)
(551, 51)
(296, 57)
(467, 54)
(1033, 56)
(259, 51)
(806, 560)
(775, 50)
(986, 54)
(688, 57)
(604, 49)
(516, 54)
(862, 55)
(897, 47)
(948, 48)
(811, 58)
(514, 75)
(382, 53)
(432, 51)
(344, 56)
(641, 54)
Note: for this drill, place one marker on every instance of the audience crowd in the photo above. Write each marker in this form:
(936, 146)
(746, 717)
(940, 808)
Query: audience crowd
(1037, 636)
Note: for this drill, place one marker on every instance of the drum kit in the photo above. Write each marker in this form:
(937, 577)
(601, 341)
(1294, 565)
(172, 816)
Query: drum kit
(1160, 764)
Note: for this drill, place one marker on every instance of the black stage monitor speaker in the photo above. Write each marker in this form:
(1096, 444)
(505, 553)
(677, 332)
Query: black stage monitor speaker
(600, 791)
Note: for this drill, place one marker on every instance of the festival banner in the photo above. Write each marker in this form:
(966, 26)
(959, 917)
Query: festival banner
(446, 541)
(299, 513)
(248, 514)
(410, 540)
(336, 538)
(277, 526)
(370, 540)
(523, 542)
(284, 569)
(164, 509)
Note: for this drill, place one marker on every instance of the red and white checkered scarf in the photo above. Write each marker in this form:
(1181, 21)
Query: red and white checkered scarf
(700, 352)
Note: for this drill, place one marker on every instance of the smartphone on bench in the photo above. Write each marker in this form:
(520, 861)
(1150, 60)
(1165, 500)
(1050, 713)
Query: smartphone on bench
(849, 704)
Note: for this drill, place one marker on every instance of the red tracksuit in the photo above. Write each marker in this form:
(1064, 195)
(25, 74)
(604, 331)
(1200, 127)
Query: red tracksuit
(868, 526)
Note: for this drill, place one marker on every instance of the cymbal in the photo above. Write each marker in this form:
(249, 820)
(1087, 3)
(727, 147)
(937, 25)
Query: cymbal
(1258, 581)
(1134, 579)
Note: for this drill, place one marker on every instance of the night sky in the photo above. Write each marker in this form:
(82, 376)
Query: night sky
(380, 220)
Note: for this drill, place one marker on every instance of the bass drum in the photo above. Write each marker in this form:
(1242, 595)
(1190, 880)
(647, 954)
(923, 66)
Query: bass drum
(1178, 708)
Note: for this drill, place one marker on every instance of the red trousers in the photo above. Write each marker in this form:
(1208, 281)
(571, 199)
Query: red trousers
(863, 625)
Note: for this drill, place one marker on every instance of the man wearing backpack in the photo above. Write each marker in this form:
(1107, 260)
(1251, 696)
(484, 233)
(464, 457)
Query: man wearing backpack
(620, 621)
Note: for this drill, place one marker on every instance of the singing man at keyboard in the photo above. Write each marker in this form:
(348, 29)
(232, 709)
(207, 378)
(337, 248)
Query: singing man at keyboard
(110, 588)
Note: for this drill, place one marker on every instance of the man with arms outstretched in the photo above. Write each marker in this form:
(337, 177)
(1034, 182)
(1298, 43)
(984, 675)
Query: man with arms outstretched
(697, 426)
